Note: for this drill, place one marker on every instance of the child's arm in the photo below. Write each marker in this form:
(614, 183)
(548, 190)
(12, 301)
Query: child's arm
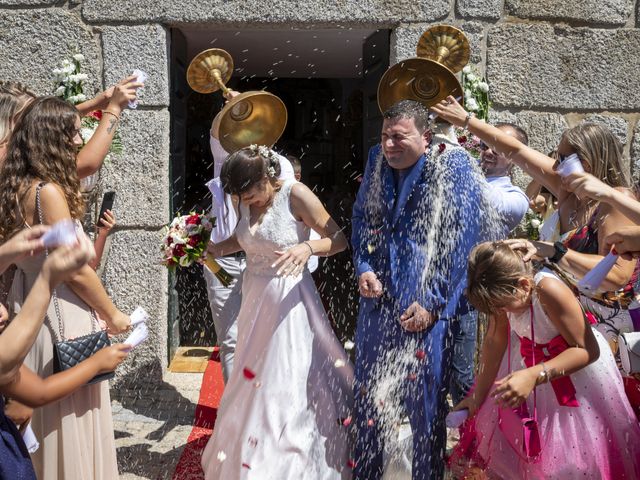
(107, 222)
(34, 391)
(565, 312)
(493, 349)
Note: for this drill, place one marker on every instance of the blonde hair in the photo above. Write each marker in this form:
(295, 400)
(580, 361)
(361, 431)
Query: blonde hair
(602, 150)
(493, 275)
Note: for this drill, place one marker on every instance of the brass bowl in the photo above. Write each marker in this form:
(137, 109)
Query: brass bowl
(420, 79)
(252, 118)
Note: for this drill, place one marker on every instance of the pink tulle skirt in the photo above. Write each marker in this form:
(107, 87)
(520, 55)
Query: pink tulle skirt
(600, 439)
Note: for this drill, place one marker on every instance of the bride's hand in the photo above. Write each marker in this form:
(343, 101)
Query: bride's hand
(293, 261)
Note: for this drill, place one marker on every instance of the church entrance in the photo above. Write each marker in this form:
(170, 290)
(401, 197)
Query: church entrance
(328, 81)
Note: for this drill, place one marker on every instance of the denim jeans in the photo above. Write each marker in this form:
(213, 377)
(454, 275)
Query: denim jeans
(464, 348)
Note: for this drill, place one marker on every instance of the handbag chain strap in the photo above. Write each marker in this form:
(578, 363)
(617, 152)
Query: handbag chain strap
(54, 293)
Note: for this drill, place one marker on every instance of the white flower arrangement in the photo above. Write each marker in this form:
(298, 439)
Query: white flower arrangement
(476, 93)
(265, 152)
(69, 85)
(532, 224)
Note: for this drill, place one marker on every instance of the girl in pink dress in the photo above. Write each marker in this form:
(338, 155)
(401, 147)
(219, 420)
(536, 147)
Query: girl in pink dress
(586, 426)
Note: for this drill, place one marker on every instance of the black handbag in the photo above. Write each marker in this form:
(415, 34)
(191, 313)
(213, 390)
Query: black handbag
(68, 353)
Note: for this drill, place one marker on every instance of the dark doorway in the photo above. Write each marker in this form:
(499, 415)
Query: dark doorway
(329, 123)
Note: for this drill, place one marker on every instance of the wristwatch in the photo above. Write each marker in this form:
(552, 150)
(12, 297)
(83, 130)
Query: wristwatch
(560, 251)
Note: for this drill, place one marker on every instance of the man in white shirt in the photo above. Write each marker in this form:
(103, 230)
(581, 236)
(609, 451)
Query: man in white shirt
(225, 301)
(508, 199)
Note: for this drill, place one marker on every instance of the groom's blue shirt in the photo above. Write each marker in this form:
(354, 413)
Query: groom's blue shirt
(416, 234)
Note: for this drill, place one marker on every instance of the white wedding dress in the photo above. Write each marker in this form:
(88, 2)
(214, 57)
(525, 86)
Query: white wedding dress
(281, 414)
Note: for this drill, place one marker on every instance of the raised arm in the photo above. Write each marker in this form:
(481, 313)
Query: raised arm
(536, 164)
(84, 282)
(92, 155)
(586, 185)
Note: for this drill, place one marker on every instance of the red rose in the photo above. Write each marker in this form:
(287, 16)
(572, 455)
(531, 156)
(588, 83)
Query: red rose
(193, 241)
(193, 219)
(441, 147)
(97, 114)
(179, 250)
(462, 139)
(169, 240)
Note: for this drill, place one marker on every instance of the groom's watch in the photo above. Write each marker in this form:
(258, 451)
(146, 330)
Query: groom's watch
(560, 251)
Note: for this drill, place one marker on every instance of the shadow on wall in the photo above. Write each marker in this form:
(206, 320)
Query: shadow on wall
(151, 424)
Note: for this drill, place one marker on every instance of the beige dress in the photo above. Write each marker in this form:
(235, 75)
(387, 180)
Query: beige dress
(75, 433)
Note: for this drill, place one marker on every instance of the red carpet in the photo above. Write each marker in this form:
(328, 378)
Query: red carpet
(188, 467)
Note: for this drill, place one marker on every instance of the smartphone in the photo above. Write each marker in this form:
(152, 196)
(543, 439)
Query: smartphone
(107, 203)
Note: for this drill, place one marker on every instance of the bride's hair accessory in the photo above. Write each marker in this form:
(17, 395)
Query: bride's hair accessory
(269, 155)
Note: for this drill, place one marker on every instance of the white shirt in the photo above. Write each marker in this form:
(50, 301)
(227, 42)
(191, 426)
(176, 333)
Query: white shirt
(509, 200)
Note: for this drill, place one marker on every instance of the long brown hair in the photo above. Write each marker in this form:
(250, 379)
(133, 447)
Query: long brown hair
(493, 276)
(41, 148)
(602, 150)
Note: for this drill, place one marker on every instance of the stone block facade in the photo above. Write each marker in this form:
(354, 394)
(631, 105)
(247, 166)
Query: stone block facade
(550, 64)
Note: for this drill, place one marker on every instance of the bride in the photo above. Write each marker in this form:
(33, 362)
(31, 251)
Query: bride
(283, 409)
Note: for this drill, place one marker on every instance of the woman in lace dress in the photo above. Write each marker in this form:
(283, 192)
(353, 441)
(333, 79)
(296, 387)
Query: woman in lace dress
(282, 413)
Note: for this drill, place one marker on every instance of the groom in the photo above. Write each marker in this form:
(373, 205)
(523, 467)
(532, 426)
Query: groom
(416, 217)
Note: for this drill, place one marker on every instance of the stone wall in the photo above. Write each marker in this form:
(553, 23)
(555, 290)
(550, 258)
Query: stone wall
(550, 64)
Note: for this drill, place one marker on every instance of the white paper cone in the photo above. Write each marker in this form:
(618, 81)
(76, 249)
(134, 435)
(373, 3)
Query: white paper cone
(139, 335)
(571, 165)
(594, 277)
(62, 233)
(30, 439)
(139, 315)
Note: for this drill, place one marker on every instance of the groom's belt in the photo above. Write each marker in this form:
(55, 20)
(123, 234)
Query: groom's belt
(236, 255)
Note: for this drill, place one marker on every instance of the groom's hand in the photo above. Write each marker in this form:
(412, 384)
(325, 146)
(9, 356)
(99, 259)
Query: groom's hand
(416, 318)
(369, 285)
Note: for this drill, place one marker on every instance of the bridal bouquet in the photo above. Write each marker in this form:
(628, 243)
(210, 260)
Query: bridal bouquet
(186, 242)
(69, 85)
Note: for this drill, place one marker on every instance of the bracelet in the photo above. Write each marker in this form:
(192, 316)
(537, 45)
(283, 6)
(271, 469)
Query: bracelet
(465, 125)
(111, 113)
(310, 247)
(544, 374)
